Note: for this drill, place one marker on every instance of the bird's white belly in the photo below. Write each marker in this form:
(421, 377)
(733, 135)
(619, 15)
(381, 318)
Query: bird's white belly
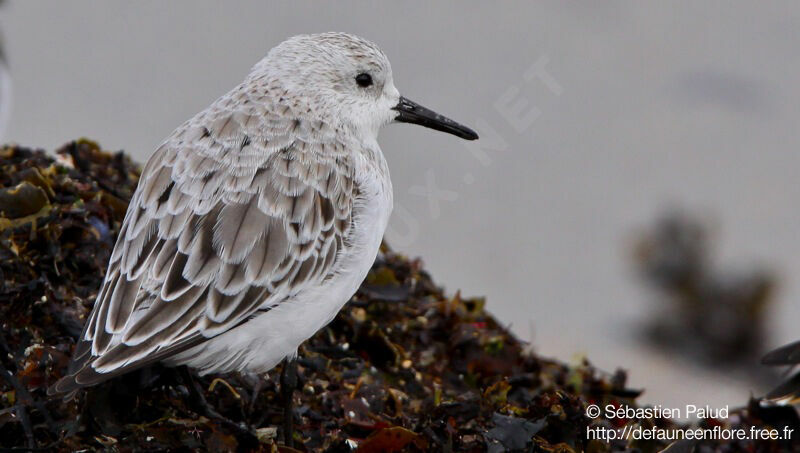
(262, 342)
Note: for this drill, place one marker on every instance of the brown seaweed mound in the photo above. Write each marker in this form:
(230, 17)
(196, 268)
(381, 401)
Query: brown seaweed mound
(403, 367)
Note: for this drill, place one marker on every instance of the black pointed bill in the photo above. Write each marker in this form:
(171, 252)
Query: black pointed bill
(411, 112)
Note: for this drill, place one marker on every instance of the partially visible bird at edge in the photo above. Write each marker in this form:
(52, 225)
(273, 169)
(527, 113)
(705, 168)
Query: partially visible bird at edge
(788, 392)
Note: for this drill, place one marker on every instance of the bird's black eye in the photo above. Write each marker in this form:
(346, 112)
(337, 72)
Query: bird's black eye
(364, 80)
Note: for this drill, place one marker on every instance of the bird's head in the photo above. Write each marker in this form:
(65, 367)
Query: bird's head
(346, 81)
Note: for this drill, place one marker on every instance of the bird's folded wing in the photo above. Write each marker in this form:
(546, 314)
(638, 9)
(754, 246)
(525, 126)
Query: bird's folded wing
(235, 213)
(785, 355)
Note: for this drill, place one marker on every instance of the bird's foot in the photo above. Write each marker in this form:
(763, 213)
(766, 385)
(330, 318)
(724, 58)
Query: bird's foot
(201, 404)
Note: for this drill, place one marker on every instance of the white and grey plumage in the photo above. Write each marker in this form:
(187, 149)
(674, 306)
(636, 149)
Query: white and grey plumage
(256, 220)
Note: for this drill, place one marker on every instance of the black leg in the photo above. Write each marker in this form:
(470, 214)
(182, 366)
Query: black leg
(288, 385)
(198, 399)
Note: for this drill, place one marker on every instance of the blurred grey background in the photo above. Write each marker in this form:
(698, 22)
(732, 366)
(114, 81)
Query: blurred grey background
(594, 117)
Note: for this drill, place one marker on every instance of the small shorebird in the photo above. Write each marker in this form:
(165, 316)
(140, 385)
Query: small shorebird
(256, 220)
(788, 393)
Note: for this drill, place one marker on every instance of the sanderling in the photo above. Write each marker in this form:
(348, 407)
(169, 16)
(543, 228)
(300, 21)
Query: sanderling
(788, 393)
(256, 220)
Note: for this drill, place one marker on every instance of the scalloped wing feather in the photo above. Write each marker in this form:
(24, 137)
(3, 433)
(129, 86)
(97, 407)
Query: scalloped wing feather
(237, 211)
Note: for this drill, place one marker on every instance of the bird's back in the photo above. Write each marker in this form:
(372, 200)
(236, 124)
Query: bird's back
(244, 207)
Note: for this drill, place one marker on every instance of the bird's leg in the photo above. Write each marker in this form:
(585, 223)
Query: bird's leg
(198, 399)
(196, 394)
(288, 385)
(259, 382)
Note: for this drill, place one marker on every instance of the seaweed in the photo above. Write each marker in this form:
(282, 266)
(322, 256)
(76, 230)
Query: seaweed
(710, 314)
(403, 367)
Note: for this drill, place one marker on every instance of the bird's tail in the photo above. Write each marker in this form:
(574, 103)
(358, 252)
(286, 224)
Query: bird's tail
(78, 374)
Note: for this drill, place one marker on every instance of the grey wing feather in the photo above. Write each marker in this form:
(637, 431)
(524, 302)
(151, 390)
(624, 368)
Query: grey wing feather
(237, 211)
(785, 355)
